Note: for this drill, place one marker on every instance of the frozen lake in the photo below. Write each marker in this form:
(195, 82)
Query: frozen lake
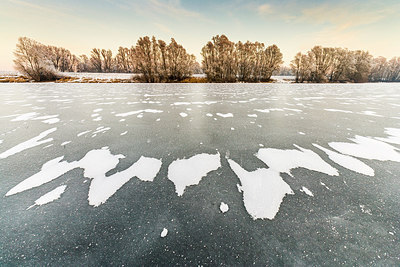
(199, 174)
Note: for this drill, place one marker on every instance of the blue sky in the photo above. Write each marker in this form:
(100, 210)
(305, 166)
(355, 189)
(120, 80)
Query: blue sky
(293, 25)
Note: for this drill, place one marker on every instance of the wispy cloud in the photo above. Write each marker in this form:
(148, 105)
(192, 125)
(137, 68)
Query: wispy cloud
(264, 9)
(163, 28)
(344, 16)
(172, 8)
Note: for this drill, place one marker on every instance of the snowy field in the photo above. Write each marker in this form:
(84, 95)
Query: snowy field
(200, 174)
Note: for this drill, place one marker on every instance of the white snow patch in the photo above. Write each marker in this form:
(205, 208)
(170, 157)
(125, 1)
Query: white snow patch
(301, 133)
(223, 207)
(82, 133)
(164, 232)
(307, 191)
(138, 111)
(187, 172)
(124, 133)
(183, 114)
(50, 171)
(324, 185)
(28, 144)
(97, 110)
(209, 115)
(338, 110)
(96, 163)
(26, 116)
(51, 121)
(394, 136)
(102, 187)
(263, 191)
(50, 196)
(283, 160)
(252, 115)
(65, 143)
(348, 162)
(367, 148)
(225, 115)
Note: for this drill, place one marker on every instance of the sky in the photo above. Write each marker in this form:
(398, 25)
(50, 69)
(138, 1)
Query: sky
(293, 25)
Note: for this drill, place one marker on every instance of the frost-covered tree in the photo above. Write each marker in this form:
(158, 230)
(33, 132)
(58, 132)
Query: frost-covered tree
(159, 62)
(219, 59)
(107, 60)
(31, 59)
(225, 61)
(95, 60)
(360, 67)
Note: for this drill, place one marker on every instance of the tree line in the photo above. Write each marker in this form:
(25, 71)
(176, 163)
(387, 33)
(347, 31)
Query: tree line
(226, 61)
(223, 61)
(154, 59)
(326, 64)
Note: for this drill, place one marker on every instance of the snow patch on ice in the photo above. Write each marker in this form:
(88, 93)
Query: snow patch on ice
(82, 133)
(348, 162)
(65, 143)
(225, 115)
(183, 114)
(263, 190)
(307, 191)
(50, 196)
(28, 144)
(50, 171)
(187, 172)
(96, 163)
(367, 148)
(284, 160)
(223, 207)
(138, 112)
(102, 187)
(394, 136)
(26, 116)
(164, 232)
(51, 121)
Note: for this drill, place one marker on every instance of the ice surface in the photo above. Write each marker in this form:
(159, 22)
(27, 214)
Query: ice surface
(138, 112)
(367, 148)
(284, 160)
(28, 144)
(164, 232)
(223, 207)
(225, 115)
(187, 172)
(348, 162)
(263, 190)
(50, 196)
